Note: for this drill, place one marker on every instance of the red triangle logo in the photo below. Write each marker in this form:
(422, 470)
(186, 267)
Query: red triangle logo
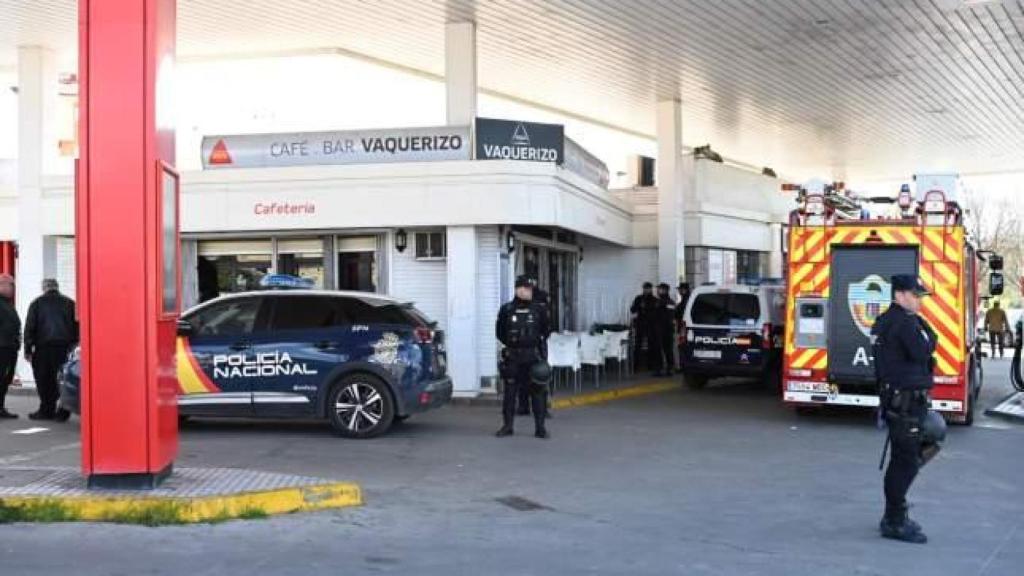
(219, 154)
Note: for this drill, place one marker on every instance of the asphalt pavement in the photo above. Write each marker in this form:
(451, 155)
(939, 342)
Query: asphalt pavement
(722, 481)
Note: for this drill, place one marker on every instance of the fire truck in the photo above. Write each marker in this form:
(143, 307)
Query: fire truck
(841, 254)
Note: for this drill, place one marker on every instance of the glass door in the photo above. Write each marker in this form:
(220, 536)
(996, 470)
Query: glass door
(358, 264)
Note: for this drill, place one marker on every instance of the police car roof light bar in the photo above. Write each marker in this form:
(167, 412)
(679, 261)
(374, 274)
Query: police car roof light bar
(286, 282)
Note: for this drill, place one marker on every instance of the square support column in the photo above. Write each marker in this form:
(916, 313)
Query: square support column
(460, 72)
(128, 247)
(671, 189)
(460, 333)
(37, 106)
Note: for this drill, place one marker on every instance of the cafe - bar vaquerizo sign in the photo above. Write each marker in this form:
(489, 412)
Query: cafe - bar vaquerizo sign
(348, 147)
(512, 140)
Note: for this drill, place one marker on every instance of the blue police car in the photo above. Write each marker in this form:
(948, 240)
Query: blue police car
(359, 360)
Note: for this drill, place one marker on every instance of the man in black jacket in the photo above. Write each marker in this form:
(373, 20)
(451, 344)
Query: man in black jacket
(642, 313)
(50, 332)
(664, 332)
(10, 340)
(903, 346)
(522, 328)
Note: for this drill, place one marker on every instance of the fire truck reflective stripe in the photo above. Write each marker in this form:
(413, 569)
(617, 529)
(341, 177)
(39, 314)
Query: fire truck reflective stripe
(903, 237)
(931, 245)
(821, 277)
(814, 246)
(821, 362)
(801, 272)
(946, 273)
(191, 379)
(807, 358)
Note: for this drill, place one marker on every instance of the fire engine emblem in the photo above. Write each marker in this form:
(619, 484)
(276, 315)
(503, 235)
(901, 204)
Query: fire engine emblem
(868, 299)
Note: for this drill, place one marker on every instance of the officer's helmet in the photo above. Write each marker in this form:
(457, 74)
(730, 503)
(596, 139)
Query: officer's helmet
(933, 428)
(540, 373)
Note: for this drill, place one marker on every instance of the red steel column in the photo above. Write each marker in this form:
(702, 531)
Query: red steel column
(7, 251)
(129, 384)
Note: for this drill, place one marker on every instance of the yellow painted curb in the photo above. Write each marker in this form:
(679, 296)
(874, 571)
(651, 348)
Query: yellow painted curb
(610, 395)
(201, 508)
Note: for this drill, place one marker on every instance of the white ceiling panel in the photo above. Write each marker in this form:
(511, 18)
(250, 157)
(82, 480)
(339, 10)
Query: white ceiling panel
(847, 88)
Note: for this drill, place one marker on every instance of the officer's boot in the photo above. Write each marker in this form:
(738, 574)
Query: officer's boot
(539, 399)
(508, 408)
(897, 525)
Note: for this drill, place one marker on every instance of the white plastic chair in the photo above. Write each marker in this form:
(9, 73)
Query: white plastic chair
(563, 352)
(617, 348)
(592, 354)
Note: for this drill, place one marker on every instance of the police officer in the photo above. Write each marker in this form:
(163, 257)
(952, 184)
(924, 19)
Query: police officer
(664, 332)
(642, 313)
(540, 298)
(10, 340)
(50, 331)
(522, 328)
(903, 345)
(684, 297)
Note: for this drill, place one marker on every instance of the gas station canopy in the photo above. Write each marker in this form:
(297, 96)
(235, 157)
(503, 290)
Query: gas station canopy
(853, 89)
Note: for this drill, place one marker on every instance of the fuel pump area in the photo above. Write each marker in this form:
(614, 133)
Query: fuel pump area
(279, 220)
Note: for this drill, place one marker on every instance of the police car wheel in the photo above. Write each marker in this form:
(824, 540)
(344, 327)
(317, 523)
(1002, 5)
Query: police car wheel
(360, 407)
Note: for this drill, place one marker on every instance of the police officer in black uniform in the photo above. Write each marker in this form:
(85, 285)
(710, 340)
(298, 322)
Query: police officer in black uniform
(522, 328)
(642, 312)
(903, 345)
(684, 297)
(540, 298)
(664, 332)
(10, 340)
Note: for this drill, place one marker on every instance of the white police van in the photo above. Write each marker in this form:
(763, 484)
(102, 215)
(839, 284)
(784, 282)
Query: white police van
(732, 330)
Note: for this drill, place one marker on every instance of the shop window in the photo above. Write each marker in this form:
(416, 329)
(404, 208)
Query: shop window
(431, 245)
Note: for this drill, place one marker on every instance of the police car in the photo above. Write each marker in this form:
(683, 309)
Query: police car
(732, 330)
(359, 360)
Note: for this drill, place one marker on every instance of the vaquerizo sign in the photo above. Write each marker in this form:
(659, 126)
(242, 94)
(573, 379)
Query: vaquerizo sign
(349, 147)
(511, 140)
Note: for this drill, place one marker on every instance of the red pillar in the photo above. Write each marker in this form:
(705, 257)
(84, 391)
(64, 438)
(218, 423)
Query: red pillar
(7, 256)
(127, 241)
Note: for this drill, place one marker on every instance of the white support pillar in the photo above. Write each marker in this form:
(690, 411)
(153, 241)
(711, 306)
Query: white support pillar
(37, 103)
(671, 188)
(460, 333)
(775, 262)
(460, 72)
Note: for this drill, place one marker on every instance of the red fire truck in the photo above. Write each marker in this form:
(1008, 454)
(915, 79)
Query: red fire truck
(840, 259)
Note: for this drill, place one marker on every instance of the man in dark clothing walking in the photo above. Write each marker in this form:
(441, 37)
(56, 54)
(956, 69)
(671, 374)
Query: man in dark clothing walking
(50, 332)
(903, 345)
(664, 333)
(642, 312)
(10, 340)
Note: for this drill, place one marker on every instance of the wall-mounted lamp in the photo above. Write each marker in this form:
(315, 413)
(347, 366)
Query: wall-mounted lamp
(510, 242)
(401, 240)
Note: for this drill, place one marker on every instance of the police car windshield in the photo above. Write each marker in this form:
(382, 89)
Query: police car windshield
(725, 309)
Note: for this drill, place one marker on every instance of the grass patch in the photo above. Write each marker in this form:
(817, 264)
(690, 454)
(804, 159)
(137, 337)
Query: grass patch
(156, 514)
(42, 511)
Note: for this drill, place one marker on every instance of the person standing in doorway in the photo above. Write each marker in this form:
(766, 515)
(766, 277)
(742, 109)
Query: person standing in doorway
(684, 297)
(642, 313)
(664, 332)
(996, 325)
(10, 340)
(51, 330)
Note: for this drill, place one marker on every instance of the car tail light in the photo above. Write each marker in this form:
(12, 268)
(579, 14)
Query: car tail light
(423, 335)
(766, 335)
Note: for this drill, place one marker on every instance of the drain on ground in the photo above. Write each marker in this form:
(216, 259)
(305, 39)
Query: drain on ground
(521, 504)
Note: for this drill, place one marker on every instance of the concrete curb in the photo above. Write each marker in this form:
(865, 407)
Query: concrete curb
(1011, 408)
(604, 396)
(230, 495)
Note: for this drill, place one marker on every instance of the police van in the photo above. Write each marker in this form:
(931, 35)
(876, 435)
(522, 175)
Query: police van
(360, 361)
(732, 330)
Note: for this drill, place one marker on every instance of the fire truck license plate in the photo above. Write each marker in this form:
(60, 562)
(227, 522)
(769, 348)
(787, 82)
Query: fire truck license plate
(708, 354)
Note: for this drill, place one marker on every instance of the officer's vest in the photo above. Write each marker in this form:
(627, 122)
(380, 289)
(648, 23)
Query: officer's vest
(524, 327)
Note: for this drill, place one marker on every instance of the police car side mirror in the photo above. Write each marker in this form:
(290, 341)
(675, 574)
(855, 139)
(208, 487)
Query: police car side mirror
(185, 328)
(995, 283)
